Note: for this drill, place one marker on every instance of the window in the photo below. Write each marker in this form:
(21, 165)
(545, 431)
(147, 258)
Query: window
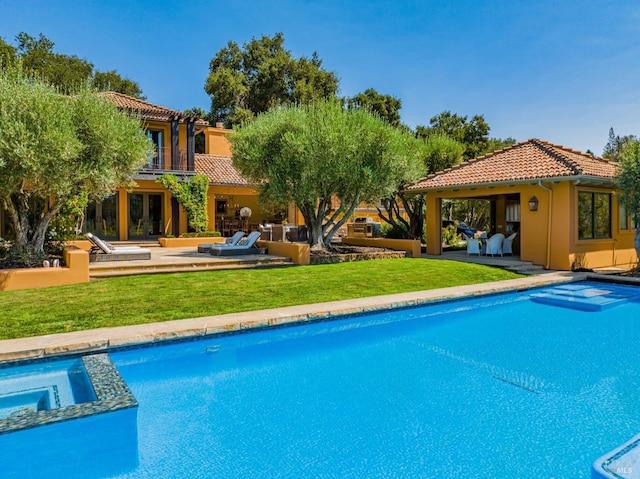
(594, 215)
(101, 218)
(156, 161)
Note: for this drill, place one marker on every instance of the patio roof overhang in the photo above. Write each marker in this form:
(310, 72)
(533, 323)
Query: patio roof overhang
(577, 179)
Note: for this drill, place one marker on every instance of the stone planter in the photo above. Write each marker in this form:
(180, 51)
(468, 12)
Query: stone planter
(75, 271)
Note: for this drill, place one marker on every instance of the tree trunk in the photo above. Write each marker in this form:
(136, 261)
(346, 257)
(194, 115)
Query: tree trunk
(30, 235)
(345, 214)
(18, 208)
(316, 238)
(414, 206)
(314, 225)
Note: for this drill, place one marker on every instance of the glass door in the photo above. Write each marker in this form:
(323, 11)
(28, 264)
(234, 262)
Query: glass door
(145, 215)
(101, 218)
(109, 217)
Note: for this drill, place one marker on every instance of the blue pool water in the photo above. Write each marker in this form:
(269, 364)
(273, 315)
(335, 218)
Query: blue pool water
(39, 387)
(499, 387)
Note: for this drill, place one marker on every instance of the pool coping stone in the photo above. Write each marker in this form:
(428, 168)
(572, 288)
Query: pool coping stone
(106, 339)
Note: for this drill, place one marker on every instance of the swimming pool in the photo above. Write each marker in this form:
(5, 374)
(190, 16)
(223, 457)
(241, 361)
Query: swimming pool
(501, 386)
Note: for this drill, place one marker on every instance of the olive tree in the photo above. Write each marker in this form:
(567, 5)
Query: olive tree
(312, 155)
(54, 148)
(405, 211)
(629, 183)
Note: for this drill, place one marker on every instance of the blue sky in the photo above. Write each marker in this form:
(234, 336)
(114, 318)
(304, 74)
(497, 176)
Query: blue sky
(564, 71)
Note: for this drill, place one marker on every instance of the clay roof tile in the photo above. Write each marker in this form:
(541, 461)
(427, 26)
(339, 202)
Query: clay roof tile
(219, 169)
(528, 160)
(147, 111)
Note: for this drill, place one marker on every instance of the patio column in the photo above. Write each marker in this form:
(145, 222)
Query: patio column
(191, 144)
(175, 144)
(433, 224)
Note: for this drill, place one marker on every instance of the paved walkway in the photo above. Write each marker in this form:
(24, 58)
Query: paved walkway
(513, 263)
(103, 339)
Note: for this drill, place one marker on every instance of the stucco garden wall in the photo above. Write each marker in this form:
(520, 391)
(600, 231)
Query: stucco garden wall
(75, 271)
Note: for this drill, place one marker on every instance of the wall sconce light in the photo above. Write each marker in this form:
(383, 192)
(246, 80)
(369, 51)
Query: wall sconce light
(533, 204)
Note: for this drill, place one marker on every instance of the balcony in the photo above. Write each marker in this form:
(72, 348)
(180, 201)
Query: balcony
(163, 162)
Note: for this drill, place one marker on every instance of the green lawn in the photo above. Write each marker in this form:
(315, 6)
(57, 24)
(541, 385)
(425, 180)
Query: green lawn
(163, 297)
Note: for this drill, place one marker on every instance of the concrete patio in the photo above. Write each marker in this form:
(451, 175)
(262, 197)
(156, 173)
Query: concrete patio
(183, 259)
(512, 263)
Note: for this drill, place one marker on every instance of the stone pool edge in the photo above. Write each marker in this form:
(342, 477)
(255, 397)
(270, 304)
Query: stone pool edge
(105, 339)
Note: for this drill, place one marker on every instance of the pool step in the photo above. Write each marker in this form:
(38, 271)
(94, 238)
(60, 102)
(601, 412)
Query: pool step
(526, 268)
(585, 297)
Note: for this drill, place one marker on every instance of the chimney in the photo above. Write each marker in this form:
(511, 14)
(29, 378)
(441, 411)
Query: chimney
(220, 125)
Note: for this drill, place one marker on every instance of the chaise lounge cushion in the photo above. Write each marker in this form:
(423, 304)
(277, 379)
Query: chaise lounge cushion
(245, 246)
(103, 251)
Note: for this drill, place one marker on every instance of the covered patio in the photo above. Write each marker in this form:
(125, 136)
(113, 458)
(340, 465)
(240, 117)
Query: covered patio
(562, 203)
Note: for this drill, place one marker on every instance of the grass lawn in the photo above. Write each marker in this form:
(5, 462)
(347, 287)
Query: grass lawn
(162, 297)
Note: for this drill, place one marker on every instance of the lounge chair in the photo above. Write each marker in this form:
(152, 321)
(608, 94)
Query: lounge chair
(206, 248)
(103, 251)
(494, 244)
(245, 246)
(507, 244)
(473, 245)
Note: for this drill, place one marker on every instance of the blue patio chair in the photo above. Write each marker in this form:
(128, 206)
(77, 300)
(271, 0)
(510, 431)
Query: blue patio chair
(245, 246)
(234, 240)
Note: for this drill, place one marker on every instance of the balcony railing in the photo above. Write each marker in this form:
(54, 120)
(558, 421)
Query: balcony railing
(163, 161)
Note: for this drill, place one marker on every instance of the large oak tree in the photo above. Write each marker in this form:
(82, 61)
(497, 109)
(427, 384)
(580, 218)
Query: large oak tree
(245, 81)
(65, 72)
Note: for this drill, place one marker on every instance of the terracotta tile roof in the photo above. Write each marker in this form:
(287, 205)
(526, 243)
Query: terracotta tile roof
(147, 111)
(528, 160)
(219, 169)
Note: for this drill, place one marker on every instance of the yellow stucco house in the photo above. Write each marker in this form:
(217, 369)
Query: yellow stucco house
(563, 204)
(149, 211)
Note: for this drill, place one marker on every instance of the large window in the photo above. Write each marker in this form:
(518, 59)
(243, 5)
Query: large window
(594, 215)
(101, 218)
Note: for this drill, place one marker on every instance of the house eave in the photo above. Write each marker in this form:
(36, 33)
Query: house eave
(578, 179)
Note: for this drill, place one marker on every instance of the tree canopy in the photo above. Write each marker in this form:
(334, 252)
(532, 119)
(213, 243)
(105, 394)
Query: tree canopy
(629, 182)
(65, 72)
(54, 148)
(243, 82)
(112, 81)
(405, 212)
(386, 106)
(312, 154)
(616, 144)
(473, 133)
